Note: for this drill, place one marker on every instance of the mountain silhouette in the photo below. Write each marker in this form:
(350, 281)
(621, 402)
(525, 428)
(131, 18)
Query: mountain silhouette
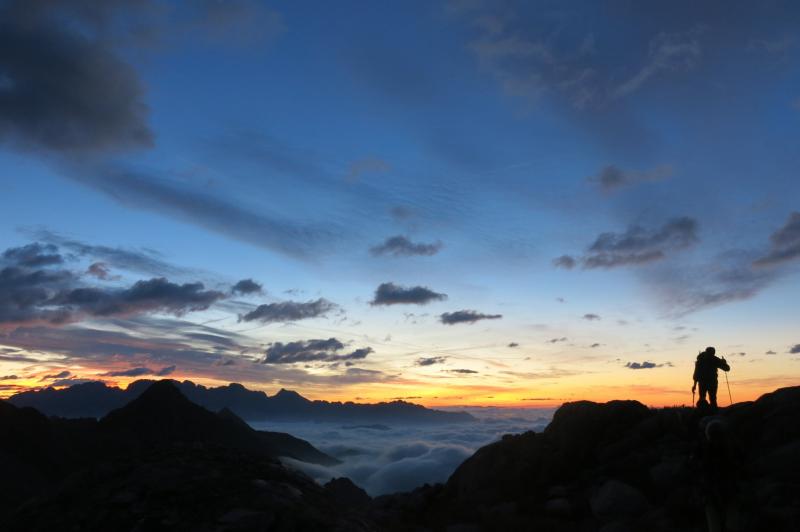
(164, 463)
(95, 399)
(42, 453)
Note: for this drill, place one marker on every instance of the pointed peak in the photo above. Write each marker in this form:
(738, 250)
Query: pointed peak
(283, 392)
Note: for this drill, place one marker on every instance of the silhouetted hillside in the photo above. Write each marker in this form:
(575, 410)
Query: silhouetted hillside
(623, 467)
(162, 462)
(95, 399)
(48, 458)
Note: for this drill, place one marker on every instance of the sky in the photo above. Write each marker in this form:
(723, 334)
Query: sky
(454, 203)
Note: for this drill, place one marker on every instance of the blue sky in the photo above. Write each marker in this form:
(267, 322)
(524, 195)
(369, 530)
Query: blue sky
(606, 173)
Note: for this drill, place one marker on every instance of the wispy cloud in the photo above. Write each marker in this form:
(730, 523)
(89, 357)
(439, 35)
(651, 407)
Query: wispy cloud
(290, 311)
(636, 245)
(402, 246)
(785, 243)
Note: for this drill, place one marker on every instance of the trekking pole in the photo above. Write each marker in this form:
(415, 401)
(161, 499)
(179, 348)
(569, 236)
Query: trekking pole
(729, 387)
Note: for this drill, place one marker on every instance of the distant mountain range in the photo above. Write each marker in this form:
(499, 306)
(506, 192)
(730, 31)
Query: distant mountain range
(95, 399)
(160, 462)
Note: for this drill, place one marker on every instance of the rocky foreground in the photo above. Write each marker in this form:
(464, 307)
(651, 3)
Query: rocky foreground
(620, 466)
(614, 467)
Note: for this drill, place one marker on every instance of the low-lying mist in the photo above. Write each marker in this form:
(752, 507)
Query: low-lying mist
(386, 458)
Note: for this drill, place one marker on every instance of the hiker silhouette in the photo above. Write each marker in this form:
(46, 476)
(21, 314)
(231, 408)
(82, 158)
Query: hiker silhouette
(705, 374)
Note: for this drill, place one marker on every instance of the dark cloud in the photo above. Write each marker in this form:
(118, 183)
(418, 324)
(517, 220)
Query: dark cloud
(143, 261)
(638, 245)
(60, 375)
(401, 246)
(57, 296)
(564, 261)
(466, 316)
(591, 317)
(246, 286)
(153, 295)
(770, 352)
(785, 243)
(312, 351)
(557, 340)
(795, 349)
(69, 382)
(8, 378)
(290, 311)
(33, 255)
(99, 270)
(392, 294)
(595, 345)
(645, 365)
(461, 371)
(26, 295)
(141, 371)
(430, 361)
(513, 344)
(64, 88)
(612, 178)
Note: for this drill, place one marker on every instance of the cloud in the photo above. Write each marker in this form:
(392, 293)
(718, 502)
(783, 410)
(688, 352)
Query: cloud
(60, 375)
(770, 352)
(466, 316)
(645, 365)
(153, 295)
(401, 246)
(461, 371)
(57, 296)
(795, 349)
(564, 261)
(141, 371)
(69, 382)
(246, 287)
(392, 294)
(429, 361)
(594, 345)
(290, 311)
(369, 165)
(785, 243)
(33, 255)
(557, 340)
(666, 52)
(591, 317)
(99, 270)
(142, 261)
(513, 344)
(612, 178)
(312, 351)
(65, 89)
(638, 245)
(214, 212)
(8, 378)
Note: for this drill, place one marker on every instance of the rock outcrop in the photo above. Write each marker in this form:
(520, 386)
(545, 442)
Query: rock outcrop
(620, 466)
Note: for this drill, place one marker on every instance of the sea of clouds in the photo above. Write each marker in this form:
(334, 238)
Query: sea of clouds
(387, 458)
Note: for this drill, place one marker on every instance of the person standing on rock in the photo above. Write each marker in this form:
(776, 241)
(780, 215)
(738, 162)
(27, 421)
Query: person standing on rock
(705, 374)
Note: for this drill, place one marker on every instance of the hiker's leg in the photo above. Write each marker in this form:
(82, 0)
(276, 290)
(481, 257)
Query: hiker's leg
(712, 394)
(702, 392)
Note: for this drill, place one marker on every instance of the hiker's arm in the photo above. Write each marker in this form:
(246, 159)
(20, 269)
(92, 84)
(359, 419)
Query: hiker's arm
(723, 365)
